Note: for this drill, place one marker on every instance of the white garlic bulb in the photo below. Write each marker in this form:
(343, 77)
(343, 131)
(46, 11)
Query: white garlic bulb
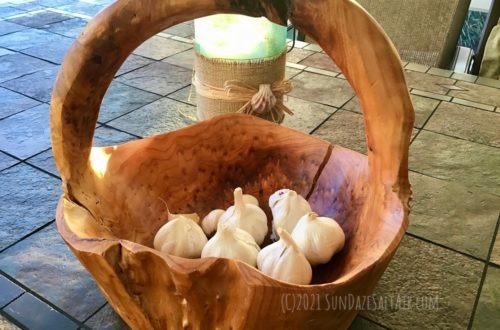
(284, 261)
(211, 221)
(249, 199)
(170, 216)
(233, 243)
(245, 216)
(287, 207)
(319, 238)
(181, 237)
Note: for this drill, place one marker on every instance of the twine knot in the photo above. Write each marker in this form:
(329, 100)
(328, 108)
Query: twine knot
(261, 100)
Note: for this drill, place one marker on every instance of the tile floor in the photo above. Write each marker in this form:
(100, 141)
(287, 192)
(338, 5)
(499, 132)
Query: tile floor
(450, 255)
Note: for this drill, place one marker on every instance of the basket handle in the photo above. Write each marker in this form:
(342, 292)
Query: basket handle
(345, 31)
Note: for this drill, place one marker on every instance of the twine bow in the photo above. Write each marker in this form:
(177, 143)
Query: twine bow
(266, 98)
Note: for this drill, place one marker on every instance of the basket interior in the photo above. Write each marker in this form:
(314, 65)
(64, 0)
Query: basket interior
(197, 168)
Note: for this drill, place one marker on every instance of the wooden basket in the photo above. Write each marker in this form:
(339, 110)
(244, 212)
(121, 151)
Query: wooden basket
(110, 209)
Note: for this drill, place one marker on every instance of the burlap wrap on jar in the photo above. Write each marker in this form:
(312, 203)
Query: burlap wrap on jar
(228, 86)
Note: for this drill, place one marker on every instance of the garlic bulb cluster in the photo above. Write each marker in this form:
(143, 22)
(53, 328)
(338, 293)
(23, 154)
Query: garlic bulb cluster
(246, 216)
(319, 238)
(181, 237)
(234, 243)
(284, 261)
(287, 207)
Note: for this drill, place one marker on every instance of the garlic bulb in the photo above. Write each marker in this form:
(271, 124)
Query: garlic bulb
(170, 216)
(245, 216)
(249, 199)
(181, 237)
(287, 207)
(210, 222)
(233, 243)
(319, 238)
(284, 261)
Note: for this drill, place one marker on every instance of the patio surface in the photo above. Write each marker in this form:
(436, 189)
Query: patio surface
(446, 273)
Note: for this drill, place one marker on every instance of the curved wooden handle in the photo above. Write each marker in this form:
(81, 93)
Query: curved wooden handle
(368, 59)
(346, 32)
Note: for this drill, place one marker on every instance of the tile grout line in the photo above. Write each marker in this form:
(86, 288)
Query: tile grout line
(459, 138)
(36, 230)
(11, 319)
(39, 297)
(331, 115)
(483, 276)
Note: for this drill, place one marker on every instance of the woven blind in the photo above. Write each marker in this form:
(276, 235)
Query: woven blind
(423, 31)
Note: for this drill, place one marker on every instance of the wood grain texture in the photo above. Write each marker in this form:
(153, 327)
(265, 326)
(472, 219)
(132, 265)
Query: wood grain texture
(110, 209)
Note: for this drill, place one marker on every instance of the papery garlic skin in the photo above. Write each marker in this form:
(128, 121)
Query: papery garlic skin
(245, 216)
(181, 237)
(233, 243)
(319, 238)
(211, 221)
(287, 207)
(249, 199)
(284, 261)
(193, 216)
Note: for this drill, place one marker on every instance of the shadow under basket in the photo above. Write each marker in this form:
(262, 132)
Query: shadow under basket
(111, 206)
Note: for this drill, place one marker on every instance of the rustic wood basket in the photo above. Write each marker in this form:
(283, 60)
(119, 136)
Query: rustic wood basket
(110, 209)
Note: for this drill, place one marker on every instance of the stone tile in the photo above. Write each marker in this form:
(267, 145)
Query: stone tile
(82, 8)
(473, 104)
(6, 161)
(427, 82)
(321, 71)
(487, 313)
(13, 103)
(431, 95)
(10, 291)
(295, 66)
(158, 117)
(26, 133)
(464, 77)
(34, 314)
(120, 99)
(297, 55)
(488, 82)
(39, 19)
(423, 108)
(55, 53)
(45, 161)
(181, 39)
(477, 93)
(181, 30)
(160, 78)
(4, 51)
(7, 11)
(290, 73)
(107, 136)
(345, 129)
(37, 85)
(29, 38)
(320, 61)
(158, 48)
(29, 199)
(6, 324)
(16, 65)
(466, 123)
(307, 115)
(55, 3)
(321, 89)
(360, 323)
(448, 158)
(186, 95)
(184, 59)
(417, 67)
(26, 5)
(438, 288)
(42, 262)
(495, 253)
(7, 27)
(440, 72)
(453, 215)
(133, 62)
(69, 28)
(108, 319)
(313, 47)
